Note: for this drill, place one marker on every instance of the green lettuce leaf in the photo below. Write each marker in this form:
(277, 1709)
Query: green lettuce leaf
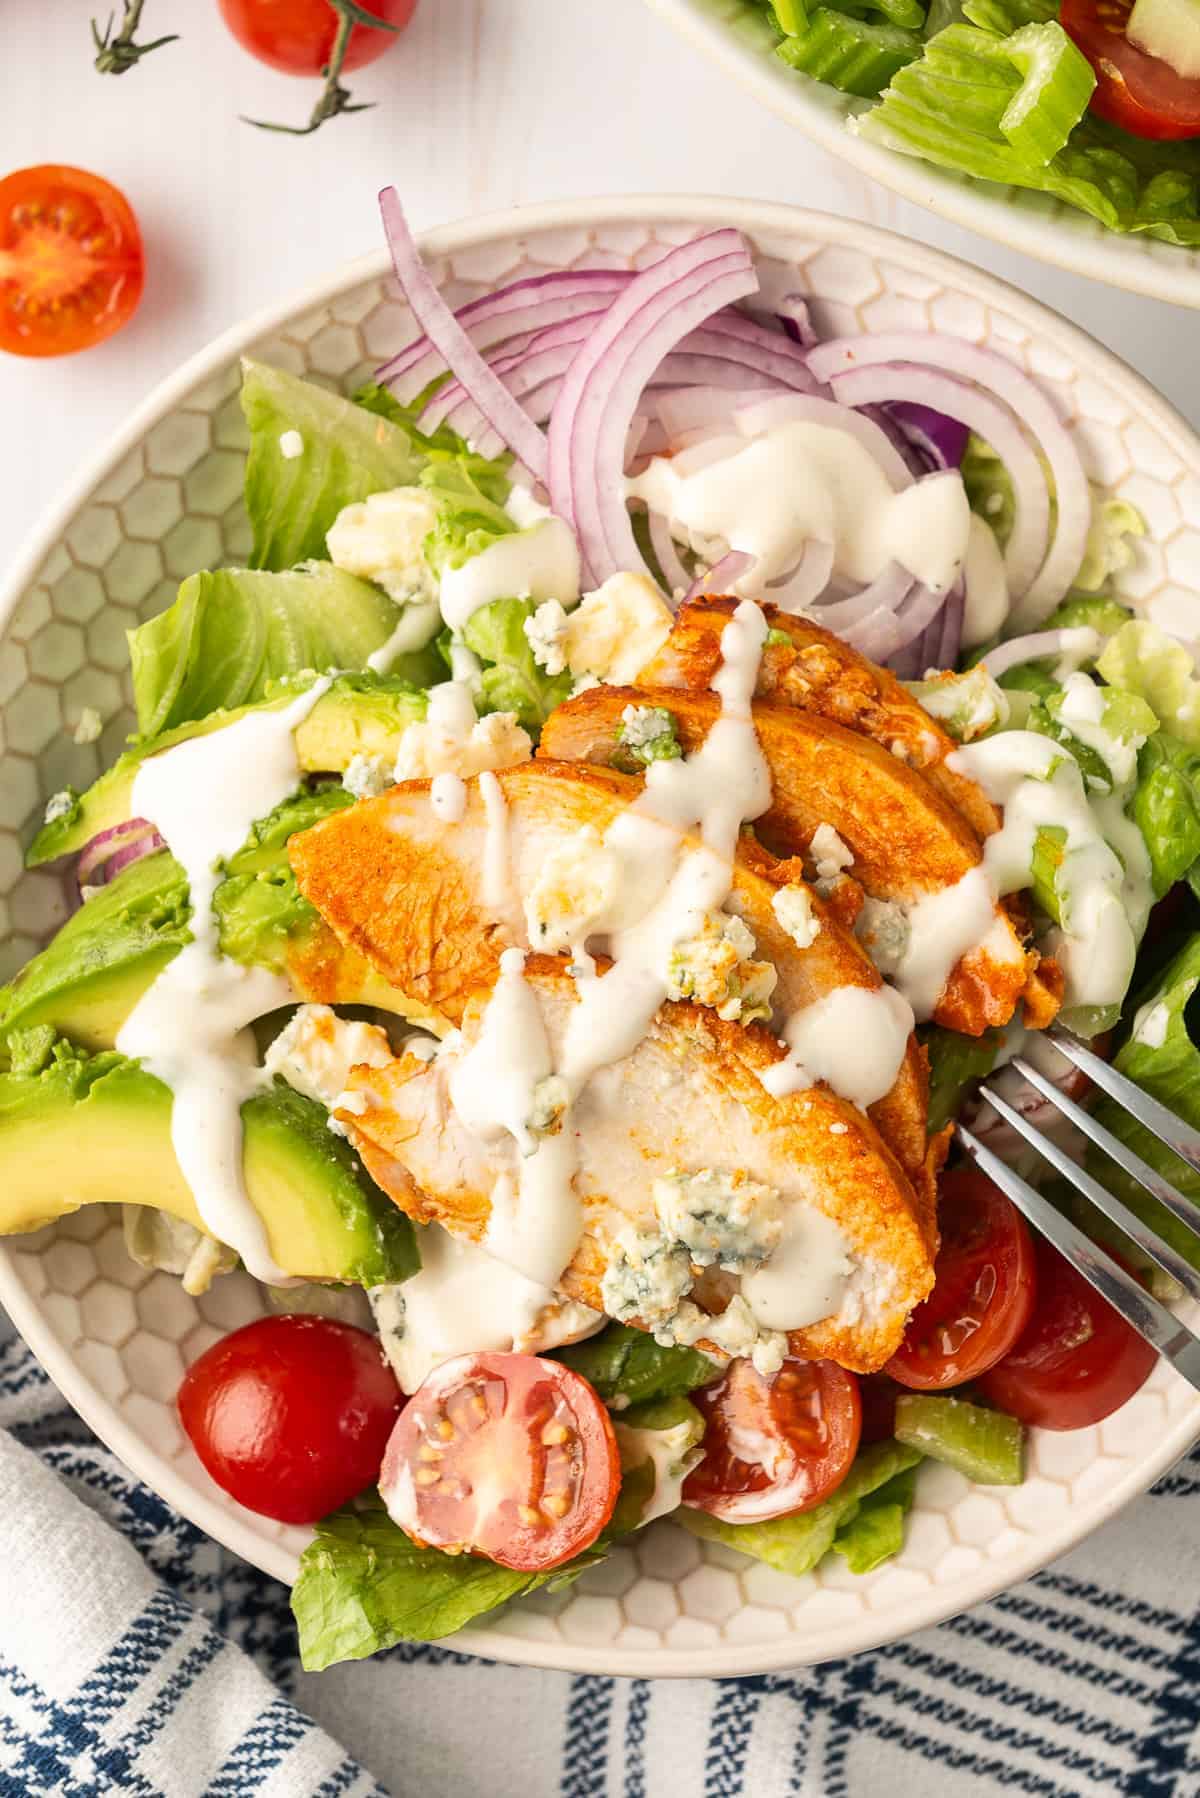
(348, 452)
(955, 1063)
(875, 1532)
(364, 1586)
(1141, 659)
(234, 630)
(1164, 1061)
(1092, 611)
(1166, 807)
(470, 492)
(512, 680)
(795, 1544)
(627, 1364)
(663, 1432)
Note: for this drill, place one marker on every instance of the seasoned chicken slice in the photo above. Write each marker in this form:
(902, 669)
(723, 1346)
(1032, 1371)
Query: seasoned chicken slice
(410, 893)
(688, 1100)
(841, 796)
(817, 672)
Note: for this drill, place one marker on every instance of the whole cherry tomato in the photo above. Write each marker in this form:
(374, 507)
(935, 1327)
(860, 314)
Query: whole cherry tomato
(297, 36)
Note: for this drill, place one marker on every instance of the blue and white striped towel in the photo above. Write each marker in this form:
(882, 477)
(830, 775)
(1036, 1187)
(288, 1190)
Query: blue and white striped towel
(137, 1657)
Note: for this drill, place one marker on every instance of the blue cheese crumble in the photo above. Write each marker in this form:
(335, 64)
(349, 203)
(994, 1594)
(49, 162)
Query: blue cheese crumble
(725, 1220)
(792, 906)
(716, 967)
(647, 733)
(646, 1277)
(736, 1332)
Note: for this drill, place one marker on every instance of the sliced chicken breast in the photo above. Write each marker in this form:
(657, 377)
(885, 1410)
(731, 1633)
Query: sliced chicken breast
(689, 1098)
(819, 673)
(410, 893)
(905, 844)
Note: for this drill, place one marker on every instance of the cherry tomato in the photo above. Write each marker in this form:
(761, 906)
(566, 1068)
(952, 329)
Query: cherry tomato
(297, 35)
(508, 1456)
(878, 1393)
(291, 1415)
(1141, 93)
(984, 1290)
(774, 1446)
(71, 265)
(1076, 1362)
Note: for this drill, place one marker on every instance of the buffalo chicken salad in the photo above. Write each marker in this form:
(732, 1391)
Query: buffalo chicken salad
(558, 898)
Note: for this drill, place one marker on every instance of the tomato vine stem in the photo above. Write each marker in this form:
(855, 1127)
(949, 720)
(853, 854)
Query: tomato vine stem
(115, 55)
(334, 98)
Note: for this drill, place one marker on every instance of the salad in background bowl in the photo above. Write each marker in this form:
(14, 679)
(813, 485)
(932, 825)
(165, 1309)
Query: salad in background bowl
(750, 858)
(1041, 127)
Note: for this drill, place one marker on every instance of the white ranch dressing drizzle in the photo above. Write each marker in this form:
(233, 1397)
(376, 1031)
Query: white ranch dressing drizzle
(854, 1039)
(414, 628)
(539, 563)
(1104, 903)
(671, 1455)
(770, 492)
(802, 1280)
(448, 797)
(498, 894)
(986, 602)
(463, 1300)
(942, 927)
(187, 1029)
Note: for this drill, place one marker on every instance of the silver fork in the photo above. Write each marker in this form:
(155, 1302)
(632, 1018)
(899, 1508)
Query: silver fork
(1151, 1319)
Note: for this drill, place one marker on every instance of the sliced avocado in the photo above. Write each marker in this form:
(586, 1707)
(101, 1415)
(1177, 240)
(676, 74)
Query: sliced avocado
(86, 982)
(361, 714)
(97, 1129)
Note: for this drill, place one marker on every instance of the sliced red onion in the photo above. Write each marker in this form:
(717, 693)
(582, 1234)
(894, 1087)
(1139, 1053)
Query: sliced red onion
(104, 845)
(793, 314)
(1038, 645)
(938, 644)
(590, 422)
(876, 385)
(674, 573)
(941, 441)
(886, 594)
(721, 577)
(522, 306)
(883, 634)
(446, 334)
(686, 409)
(1049, 582)
(133, 852)
(807, 580)
(801, 408)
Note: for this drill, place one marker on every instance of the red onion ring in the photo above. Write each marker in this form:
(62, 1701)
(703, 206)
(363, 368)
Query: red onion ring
(1031, 648)
(444, 331)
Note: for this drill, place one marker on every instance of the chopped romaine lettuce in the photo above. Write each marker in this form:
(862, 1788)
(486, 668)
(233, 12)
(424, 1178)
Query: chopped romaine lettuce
(850, 54)
(1141, 659)
(875, 1532)
(346, 453)
(955, 1063)
(512, 681)
(470, 492)
(1090, 611)
(1108, 549)
(796, 1544)
(232, 631)
(629, 1366)
(1161, 1057)
(1166, 807)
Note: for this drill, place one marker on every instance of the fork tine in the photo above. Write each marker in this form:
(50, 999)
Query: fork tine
(1140, 1309)
(1160, 1252)
(1186, 1210)
(1158, 1120)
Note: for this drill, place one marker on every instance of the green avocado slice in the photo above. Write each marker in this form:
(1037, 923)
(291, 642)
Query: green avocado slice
(360, 714)
(96, 1129)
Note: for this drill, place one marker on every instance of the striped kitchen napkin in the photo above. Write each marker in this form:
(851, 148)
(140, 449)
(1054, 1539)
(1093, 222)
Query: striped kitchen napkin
(136, 1656)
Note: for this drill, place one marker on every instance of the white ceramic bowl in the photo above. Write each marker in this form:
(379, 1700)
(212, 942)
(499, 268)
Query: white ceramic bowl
(736, 34)
(164, 500)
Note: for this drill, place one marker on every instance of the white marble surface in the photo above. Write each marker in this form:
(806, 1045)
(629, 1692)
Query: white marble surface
(482, 105)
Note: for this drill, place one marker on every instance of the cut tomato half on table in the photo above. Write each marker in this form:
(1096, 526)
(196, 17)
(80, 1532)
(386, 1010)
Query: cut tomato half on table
(774, 1444)
(984, 1289)
(509, 1456)
(1076, 1362)
(291, 1415)
(1141, 93)
(71, 262)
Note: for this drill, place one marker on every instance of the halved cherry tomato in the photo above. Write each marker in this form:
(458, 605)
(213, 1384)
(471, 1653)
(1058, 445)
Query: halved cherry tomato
(1141, 93)
(297, 35)
(984, 1291)
(291, 1415)
(878, 1393)
(1077, 1360)
(71, 265)
(774, 1445)
(508, 1456)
